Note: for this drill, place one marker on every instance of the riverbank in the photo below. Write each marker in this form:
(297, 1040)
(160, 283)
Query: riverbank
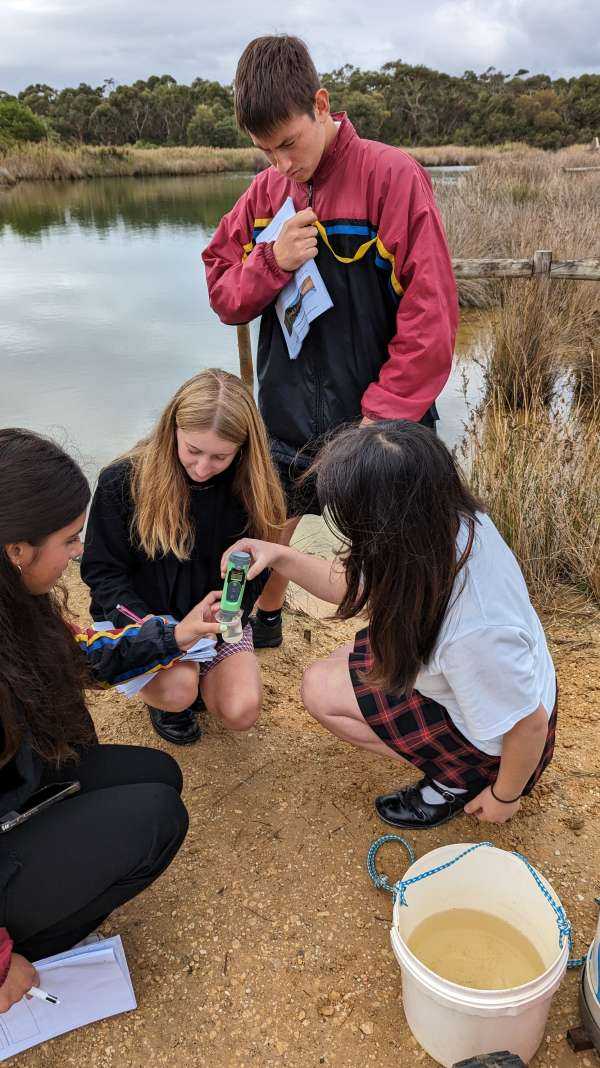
(50, 162)
(265, 943)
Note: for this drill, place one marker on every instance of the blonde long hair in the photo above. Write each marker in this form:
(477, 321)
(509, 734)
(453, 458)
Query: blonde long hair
(212, 400)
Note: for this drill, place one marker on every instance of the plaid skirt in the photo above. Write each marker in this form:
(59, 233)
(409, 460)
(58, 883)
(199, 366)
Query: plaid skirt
(421, 731)
(225, 649)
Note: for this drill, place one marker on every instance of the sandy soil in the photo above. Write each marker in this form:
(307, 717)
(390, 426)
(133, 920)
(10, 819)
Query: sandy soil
(265, 942)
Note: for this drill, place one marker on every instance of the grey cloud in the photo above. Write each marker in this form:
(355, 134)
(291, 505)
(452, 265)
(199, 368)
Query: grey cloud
(63, 42)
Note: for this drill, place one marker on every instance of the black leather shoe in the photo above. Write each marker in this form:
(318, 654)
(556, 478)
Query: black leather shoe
(180, 728)
(407, 809)
(266, 636)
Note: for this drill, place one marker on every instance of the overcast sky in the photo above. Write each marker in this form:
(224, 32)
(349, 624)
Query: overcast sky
(64, 42)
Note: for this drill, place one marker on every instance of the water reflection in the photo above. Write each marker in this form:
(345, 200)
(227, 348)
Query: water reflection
(104, 309)
(33, 209)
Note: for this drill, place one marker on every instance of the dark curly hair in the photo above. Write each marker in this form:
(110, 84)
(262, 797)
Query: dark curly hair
(43, 676)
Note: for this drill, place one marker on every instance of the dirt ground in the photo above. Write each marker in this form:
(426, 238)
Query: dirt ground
(265, 943)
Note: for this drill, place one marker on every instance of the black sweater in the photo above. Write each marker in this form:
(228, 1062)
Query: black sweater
(119, 572)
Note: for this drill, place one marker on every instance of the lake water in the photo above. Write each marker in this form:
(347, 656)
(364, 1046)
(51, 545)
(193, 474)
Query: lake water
(104, 310)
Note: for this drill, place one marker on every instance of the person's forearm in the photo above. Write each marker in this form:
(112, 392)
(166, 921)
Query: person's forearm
(323, 578)
(522, 748)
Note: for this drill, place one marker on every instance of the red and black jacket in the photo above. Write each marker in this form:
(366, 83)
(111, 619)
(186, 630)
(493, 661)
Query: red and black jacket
(385, 348)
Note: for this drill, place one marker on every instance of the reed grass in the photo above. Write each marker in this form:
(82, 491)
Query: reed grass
(50, 162)
(515, 203)
(539, 474)
(541, 332)
(457, 155)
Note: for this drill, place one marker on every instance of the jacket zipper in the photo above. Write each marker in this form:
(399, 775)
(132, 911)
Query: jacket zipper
(316, 367)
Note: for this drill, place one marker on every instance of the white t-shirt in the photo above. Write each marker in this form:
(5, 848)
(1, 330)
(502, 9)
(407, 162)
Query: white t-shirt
(490, 666)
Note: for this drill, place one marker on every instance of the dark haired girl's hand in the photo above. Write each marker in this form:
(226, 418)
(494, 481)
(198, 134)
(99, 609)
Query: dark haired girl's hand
(487, 810)
(199, 623)
(264, 554)
(21, 976)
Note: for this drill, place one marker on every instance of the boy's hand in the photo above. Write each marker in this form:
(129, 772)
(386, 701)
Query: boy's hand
(263, 553)
(297, 242)
(199, 623)
(487, 810)
(21, 976)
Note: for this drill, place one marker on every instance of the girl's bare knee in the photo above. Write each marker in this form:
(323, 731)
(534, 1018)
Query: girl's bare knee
(241, 714)
(313, 689)
(176, 694)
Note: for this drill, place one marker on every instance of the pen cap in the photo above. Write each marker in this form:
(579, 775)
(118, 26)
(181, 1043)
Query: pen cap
(235, 581)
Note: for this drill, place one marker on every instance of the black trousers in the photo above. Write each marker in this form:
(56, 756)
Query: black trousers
(70, 866)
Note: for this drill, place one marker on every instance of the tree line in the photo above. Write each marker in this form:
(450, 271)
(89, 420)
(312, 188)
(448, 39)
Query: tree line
(400, 104)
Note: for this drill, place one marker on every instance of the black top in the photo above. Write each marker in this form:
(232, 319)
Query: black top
(119, 572)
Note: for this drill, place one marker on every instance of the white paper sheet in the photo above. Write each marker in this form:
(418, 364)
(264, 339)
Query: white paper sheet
(302, 299)
(92, 982)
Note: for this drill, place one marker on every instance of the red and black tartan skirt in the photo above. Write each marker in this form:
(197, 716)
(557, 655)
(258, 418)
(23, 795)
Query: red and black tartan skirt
(421, 730)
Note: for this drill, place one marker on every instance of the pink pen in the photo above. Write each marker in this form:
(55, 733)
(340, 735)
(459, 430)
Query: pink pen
(127, 612)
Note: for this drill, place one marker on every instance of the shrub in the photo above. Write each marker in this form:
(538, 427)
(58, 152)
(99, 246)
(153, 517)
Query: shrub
(18, 123)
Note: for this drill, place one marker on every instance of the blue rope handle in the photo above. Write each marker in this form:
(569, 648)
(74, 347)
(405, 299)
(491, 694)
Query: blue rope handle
(398, 889)
(380, 881)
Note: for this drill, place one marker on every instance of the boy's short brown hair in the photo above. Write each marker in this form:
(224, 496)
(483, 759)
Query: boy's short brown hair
(275, 79)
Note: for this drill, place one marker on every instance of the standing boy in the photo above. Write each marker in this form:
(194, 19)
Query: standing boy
(367, 212)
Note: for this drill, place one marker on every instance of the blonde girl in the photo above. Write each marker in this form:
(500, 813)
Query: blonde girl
(161, 517)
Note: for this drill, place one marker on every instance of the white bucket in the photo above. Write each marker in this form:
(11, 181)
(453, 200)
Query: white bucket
(454, 1022)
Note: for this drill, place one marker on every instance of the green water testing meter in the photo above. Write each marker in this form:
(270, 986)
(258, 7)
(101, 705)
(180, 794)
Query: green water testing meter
(230, 610)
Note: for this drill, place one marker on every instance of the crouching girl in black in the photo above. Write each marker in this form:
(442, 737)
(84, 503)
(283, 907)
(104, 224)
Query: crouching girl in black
(66, 868)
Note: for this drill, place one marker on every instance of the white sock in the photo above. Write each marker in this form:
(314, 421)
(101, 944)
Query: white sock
(431, 796)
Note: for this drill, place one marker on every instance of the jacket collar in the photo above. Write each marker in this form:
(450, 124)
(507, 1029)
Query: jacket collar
(336, 150)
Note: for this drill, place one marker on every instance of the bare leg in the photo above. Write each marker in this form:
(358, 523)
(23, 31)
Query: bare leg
(232, 690)
(271, 598)
(174, 689)
(328, 695)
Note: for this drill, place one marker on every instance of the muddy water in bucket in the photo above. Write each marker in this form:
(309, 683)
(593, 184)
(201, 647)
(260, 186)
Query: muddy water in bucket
(475, 949)
(452, 1020)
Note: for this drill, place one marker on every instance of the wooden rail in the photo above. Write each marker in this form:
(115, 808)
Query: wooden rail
(540, 266)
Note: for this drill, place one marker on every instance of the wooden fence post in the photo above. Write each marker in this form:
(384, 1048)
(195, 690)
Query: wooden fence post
(245, 354)
(542, 262)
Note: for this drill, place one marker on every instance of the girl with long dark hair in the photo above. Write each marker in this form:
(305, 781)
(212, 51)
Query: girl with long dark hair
(65, 868)
(452, 673)
(159, 521)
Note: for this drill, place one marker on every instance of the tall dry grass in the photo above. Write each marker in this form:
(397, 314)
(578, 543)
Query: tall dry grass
(533, 447)
(539, 475)
(54, 162)
(543, 331)
(515, 203)
(49, 162)
(457, 155)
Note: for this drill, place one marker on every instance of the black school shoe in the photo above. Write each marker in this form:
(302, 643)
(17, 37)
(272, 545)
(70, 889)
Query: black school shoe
(407, 809)
(179, 728)
(265, 635)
